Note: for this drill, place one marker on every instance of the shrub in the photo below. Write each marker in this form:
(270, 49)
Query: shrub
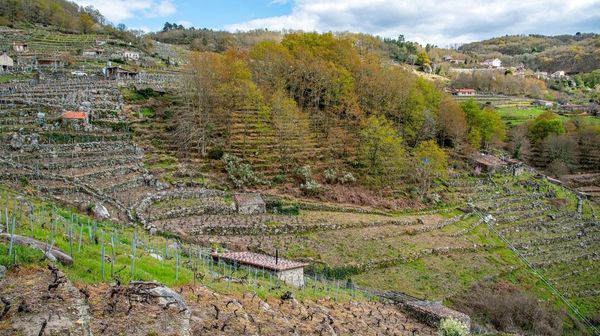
(279, 178)
(24, 181)
(308, 185)
(311, 187)
(167, 114)
(215, 153)
(330, 175)
(241, 174)
(278, 207)
(304, 174)
(452, 327)
(147, 112)
(508, 308)
(347, 178)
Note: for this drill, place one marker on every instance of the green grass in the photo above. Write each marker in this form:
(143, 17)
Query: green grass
(518, 115)
(147, 112)
(10, 77)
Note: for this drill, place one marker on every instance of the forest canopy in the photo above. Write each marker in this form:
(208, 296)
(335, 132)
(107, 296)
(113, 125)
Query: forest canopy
(351, 108)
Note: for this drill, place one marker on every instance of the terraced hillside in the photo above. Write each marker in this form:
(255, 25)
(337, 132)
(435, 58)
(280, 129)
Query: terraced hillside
(79, 165)
(534, 235)
(206, 296)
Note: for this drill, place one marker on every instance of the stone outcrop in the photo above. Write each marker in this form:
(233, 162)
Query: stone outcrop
(50, 251)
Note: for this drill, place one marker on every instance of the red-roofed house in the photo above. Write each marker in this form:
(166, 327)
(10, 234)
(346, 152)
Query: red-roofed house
(70, 118)
(288, 271)
(464, 92)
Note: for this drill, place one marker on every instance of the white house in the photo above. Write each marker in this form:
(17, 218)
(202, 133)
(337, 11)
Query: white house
(92, 52)
(20, 47)
(492, 63)
(558, 75)
(464, 92)
(131, 55)
(5, 62)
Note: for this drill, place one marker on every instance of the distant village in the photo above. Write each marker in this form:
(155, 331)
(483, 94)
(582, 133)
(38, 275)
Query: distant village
(495, 65)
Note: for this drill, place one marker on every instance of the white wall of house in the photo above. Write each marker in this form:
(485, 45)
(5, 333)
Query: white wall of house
(131, 55)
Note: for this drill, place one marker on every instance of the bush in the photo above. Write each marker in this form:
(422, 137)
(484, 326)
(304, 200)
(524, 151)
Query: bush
(215, 153)
(452, 327)
(347, 178)
(330, 175)
(278, 207)
(147, 112)
(241, 174)
(279, 178)
(167, 114)
(24, 181)
(304, 174)
(308, 185)
(508, 308)
(310, 188)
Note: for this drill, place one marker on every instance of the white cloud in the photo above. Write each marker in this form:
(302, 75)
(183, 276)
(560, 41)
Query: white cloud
(437, 21)
(121, 10)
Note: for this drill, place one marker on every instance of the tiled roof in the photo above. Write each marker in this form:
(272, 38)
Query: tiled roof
(259, 260)
(74, 115)
(489, 160)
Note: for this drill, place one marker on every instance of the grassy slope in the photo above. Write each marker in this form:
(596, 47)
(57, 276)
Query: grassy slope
(87, 263)
(517, 115)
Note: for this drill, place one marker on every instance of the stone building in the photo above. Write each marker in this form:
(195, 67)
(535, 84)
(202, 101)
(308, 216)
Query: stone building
(50, 62)
(92, 53)
(288, 271)
(485, 163)
(74, 118)
(249, 203)
(20, 47)
(131, 55)
(119, 73)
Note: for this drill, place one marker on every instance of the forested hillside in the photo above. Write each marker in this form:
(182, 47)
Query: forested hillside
(318, 101)
(570, 53)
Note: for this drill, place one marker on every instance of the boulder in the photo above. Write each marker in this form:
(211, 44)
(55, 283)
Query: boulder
(100, 211)
(2, 271)
(17, 141)
(53, 253)
(156, 256)
(168, 297)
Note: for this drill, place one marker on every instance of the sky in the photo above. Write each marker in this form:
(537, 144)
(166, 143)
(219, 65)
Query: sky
(441, 22)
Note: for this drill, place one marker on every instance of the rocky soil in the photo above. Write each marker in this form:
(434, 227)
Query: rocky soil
(42, 301)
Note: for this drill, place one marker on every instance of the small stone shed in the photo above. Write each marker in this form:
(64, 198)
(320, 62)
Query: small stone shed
(485, 163)
(288, 271)
(50, 62)
(249, 203)
(92, 52)
(119, 73)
